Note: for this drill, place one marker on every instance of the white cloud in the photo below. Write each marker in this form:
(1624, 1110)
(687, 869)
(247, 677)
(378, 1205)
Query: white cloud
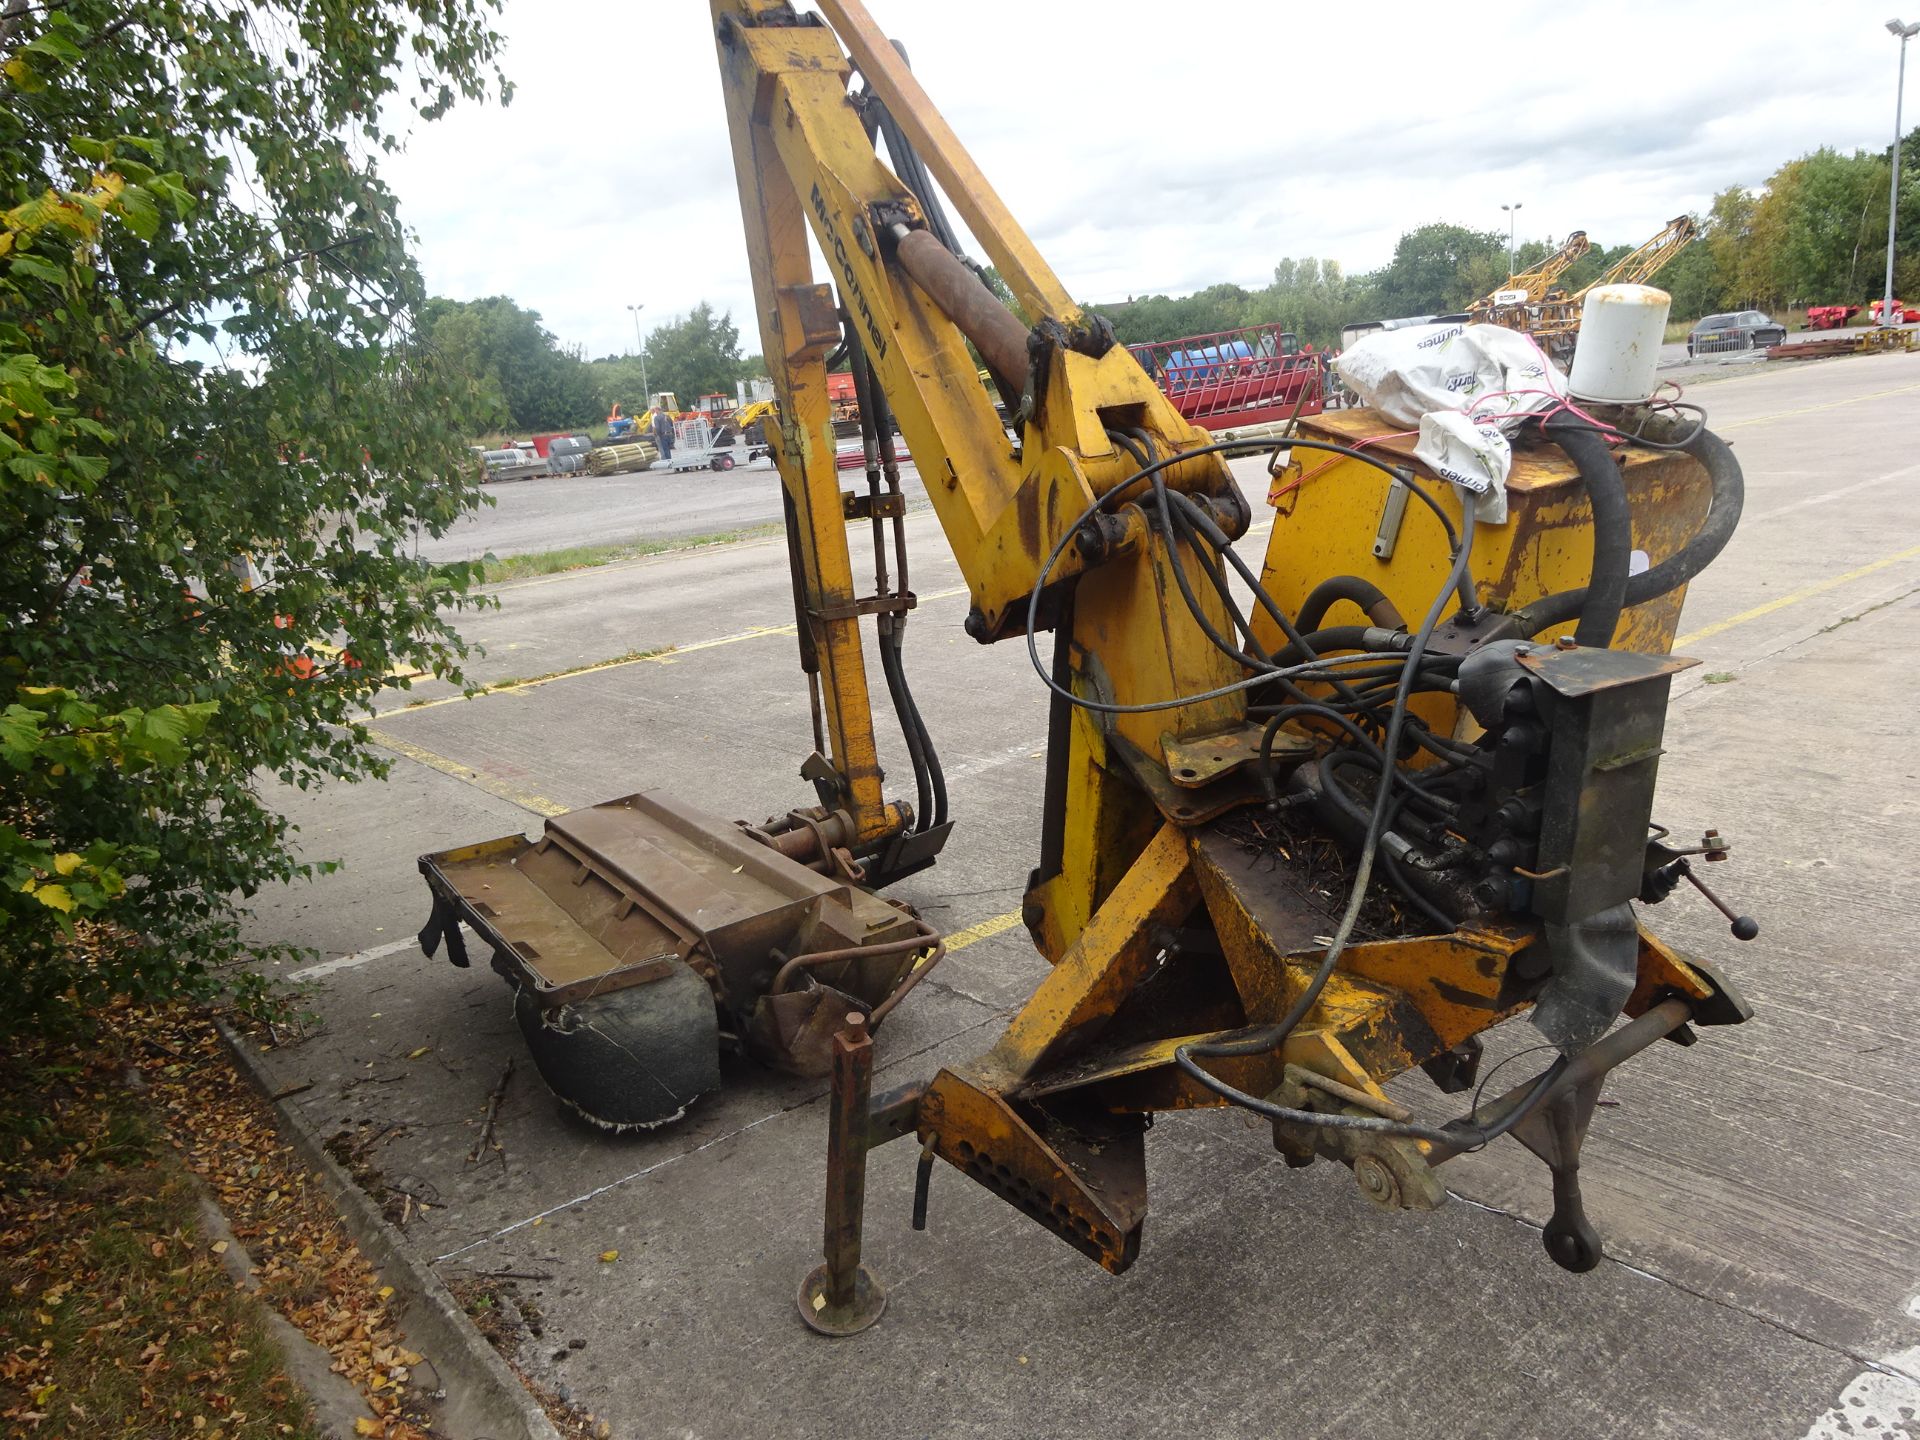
(1146, 146)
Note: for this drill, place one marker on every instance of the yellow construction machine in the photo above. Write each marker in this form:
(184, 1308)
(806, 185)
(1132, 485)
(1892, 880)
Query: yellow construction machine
(1512, 303)
(1556, 323)
(1308, 824)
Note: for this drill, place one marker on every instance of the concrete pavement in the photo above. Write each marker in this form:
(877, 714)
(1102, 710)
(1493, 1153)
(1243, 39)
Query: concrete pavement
(1759, 1192)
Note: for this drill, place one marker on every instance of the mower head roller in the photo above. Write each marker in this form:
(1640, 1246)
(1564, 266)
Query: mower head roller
(642, 937)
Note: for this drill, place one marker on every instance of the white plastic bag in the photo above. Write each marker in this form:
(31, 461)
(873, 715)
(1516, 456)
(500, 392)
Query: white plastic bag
(1451, 381)
(1476, 458)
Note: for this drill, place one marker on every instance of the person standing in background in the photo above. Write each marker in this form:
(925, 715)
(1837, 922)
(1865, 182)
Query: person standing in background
(662, 424)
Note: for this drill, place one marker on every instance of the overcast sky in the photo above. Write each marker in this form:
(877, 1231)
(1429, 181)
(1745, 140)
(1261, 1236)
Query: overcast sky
(1149, 147)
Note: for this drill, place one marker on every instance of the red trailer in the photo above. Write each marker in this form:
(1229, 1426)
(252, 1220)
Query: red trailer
(1830, 317)
(1251, 376)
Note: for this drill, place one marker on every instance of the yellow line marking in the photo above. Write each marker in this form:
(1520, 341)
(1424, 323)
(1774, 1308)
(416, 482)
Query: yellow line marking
(1720, 627)
(665, 657)
(525, 799)
(1810, 409)
(985, 930)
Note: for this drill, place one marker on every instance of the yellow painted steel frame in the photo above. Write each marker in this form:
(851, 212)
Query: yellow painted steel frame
(805, 164)
(1131, 865)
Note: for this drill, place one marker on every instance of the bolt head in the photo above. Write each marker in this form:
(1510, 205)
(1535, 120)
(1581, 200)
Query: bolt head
(1377, 1181)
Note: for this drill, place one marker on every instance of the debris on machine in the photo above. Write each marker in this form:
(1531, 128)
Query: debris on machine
(1319, 871)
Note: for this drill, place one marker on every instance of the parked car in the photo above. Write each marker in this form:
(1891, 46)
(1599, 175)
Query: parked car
(1736, 330)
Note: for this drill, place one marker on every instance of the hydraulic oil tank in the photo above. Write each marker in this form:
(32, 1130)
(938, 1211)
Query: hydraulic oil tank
(1621, 329)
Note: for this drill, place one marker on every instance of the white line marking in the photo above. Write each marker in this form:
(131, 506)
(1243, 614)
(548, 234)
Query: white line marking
(1876, 1405)
(349, 962)
(598, 1190)
(1832, 495)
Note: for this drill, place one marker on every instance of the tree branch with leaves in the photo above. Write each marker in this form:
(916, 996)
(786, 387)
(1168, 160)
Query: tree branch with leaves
(219, 443)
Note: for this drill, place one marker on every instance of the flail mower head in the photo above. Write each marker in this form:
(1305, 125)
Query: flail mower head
(641, 937)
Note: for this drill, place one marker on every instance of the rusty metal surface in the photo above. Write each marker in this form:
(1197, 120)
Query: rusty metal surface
(613, 887)
(841, 1296)
(974, 309)
(1576, 671)
(1196, 762)
(1079, 1172)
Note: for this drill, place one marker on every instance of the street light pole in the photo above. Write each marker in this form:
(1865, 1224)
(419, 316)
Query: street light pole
(1904, 33)
(642, 344)
(1513, 212)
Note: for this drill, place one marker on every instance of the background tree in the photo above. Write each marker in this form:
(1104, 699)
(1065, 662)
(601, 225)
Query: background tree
(528, 380)
(1693, 279)
(1438, 269)
(1834, 241)
(206, 354)
(695, 356)
(1312, 298)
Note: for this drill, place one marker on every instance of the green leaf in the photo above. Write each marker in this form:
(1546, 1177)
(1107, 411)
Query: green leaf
(142, 216)
(35, 268)
(54, 45)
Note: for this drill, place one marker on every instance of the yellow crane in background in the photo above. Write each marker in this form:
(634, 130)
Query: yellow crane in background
(1556, 322)
(1508, 305)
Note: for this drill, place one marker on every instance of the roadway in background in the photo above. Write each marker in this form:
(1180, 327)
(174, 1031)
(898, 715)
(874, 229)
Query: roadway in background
(564, 511)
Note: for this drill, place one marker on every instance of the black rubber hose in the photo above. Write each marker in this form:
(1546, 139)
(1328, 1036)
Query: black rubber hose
(1606, 589)
(1364, 593)
(1320, 642)
(872, 417)
(936, 777)
(1729, 496)
(903, 708)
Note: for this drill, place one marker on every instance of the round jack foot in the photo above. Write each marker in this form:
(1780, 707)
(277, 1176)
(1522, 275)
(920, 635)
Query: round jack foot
(826, 1318)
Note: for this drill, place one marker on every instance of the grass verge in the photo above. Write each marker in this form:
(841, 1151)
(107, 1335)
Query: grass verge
(115, 1316)
(118, 1316)
(584, 557)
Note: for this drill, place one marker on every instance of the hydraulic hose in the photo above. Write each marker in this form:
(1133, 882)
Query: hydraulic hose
(896, 679)
(1335, 638)
(1606, 590)
(876, 441)
(1729, 495)
(1364, 593)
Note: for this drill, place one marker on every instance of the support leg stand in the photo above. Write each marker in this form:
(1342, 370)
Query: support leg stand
(841, 1296)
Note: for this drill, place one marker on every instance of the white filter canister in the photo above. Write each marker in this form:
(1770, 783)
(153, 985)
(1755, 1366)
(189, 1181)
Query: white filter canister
(1621, 330)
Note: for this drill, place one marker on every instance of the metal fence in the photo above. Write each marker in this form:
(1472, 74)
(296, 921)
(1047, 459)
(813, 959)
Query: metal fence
(1236, 377)
(1726, 344)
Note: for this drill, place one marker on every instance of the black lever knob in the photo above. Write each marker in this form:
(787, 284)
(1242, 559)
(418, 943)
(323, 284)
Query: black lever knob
(1744, 927)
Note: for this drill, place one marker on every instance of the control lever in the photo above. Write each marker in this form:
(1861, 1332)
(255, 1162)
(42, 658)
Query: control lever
(1658, 881)
(1744, 927)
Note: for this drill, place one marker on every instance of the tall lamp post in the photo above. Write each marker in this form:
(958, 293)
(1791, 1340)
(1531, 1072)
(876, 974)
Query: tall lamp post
(635, 311)
(1904, 33)
(1513, 212)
